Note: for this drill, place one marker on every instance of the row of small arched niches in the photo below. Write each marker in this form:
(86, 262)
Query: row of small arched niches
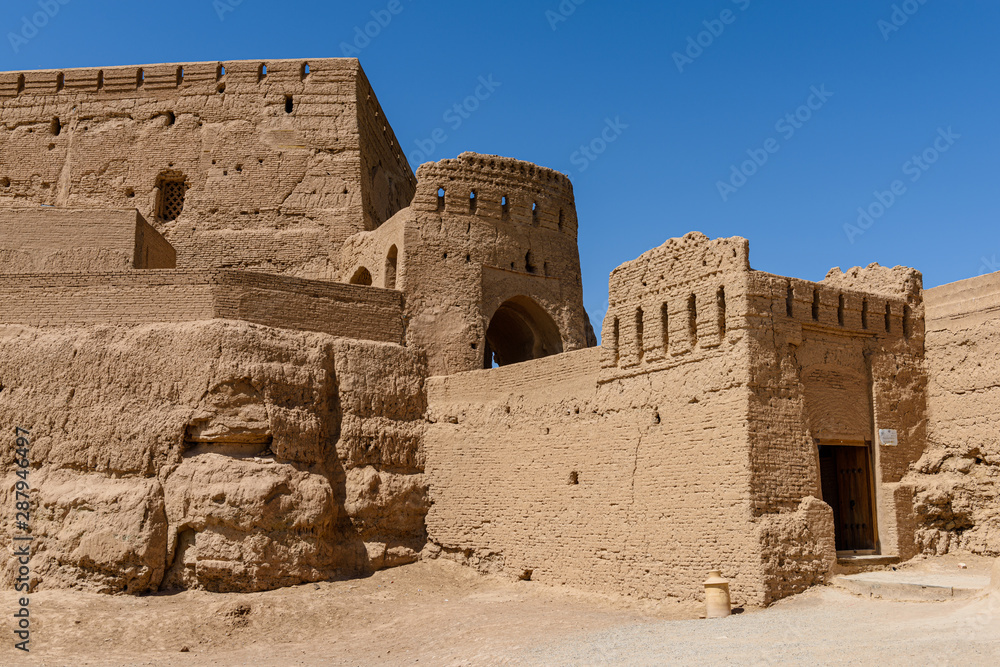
(690, 315)
(505, 205)
(363, 276)
(867, 316)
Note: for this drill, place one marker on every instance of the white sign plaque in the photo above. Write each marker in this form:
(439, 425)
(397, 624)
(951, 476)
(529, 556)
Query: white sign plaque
(888, 437)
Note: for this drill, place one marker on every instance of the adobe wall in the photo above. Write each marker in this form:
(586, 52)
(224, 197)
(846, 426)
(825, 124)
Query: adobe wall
(143, 297)
(829, 365)
(43, 240)
(958, 479)
(465, 257)
(216, 455)
(617, 471)
(627, 487)
(281, 165)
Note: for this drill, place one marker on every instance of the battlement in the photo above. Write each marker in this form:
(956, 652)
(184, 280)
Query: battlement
(197, 77)
(837, 308)
(673, 300)
(499, 189)
(691, 293)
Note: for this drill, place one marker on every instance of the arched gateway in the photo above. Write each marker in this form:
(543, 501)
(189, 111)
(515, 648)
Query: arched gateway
(520, 330)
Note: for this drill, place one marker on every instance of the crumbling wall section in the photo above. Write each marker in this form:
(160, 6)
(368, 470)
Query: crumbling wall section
(958, 479)
(215, 455)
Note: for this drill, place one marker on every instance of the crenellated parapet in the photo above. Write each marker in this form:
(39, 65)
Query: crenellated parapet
(689, 294)
(843, 303)
(679, 298)
(498, 189)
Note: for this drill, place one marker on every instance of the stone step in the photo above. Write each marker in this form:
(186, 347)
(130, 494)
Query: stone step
(855, 564)
(909, 585)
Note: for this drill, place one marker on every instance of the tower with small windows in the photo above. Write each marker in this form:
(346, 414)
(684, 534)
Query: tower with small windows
(487, 257)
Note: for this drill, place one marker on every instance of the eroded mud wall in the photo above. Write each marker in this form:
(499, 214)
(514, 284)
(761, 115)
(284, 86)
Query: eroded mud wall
(220, 455)
(958, 479)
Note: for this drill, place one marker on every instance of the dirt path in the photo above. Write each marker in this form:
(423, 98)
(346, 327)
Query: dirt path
(442, 614)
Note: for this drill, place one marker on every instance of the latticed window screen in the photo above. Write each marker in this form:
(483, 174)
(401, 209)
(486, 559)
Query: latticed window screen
(171, 199)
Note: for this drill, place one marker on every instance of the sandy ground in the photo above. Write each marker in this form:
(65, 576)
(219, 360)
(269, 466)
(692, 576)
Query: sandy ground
(439, 613)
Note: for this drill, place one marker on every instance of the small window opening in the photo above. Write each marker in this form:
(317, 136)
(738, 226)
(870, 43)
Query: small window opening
(504, 207)
(529, 263)
(790, 302)
(720, 298)
(220, 71)
(171, 118)
(56, 126)
(180, 75)
(614, 339)
(574, 477)
(473, 202)
(864, 314)
(534, 213)
(907, 323)
(665, 326)
(60, 82)
(100, 80)
(289, 104)
(441, 199)
(888, 318)
(391, 263)
(140, 78)
(639, 350)
(841, 305)
(693, 319)
(305, 70)
(261, 72)
(816, 305)
(20, 84)
(561, 219)
(172, 189)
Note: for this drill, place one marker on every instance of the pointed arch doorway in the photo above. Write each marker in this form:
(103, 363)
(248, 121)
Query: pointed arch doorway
(520, 330)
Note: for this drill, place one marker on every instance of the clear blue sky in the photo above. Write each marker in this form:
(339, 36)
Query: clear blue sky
(895, 93)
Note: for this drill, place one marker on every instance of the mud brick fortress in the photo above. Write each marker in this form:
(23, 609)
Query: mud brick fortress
(254, 349)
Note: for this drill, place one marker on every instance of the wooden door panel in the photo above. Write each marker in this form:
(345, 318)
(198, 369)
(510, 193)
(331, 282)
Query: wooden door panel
(854, 490)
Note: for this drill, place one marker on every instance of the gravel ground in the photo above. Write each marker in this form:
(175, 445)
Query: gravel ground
(440, 613)
(822, 627)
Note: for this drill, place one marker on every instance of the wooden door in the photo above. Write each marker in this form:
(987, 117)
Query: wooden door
(847, 487)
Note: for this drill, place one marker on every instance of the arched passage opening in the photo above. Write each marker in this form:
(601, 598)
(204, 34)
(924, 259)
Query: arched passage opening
(520, 330)
(391, 261)
(362, 277)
